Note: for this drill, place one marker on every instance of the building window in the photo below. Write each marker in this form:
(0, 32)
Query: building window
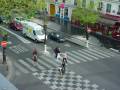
(75, 2)
(63, 1)
(118, 10)
(100, 6)
(66, 11)
(108, 8)
(84, 3)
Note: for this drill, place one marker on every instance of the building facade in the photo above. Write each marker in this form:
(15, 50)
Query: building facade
(63, 8)
(60, 8)
(110, 9)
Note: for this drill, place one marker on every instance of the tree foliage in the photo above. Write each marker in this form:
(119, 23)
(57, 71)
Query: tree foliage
(86, 14)
(26, 8)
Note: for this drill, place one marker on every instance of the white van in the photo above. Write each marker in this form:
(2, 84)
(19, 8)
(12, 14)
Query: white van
(34, 31)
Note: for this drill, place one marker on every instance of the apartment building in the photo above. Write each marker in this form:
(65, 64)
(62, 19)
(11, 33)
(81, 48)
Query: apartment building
(61, 8)
(110, 9)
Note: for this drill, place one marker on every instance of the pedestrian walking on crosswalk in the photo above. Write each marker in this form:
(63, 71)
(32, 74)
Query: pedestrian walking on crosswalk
(65, 57)
(34, 57)
(56, 51)
(63, 66)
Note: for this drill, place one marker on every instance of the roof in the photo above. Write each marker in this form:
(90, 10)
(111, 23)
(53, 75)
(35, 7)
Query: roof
(32, 24)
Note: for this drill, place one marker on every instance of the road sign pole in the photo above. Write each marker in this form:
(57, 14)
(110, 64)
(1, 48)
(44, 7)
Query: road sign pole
(4, 44)
(4, 55)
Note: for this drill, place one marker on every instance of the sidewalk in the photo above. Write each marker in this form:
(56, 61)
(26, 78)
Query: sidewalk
(6, 69)
(74, 38)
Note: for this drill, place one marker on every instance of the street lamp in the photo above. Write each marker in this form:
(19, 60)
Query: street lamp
(45, 21)
(87, 36)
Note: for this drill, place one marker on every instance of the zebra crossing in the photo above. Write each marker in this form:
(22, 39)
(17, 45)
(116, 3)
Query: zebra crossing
(18, 49)
(49, 62)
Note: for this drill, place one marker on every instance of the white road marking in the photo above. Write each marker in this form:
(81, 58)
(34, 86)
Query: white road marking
(21, 68)
(87, 54)
(77, 57)
(99, 53)
(31, 61)
(45, 64)
(81, 55)
(90, 52)
(27, 65)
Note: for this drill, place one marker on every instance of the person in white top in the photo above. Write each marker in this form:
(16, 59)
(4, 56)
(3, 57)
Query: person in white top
(65, 57)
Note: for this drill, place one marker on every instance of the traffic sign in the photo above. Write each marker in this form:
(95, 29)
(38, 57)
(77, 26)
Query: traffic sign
(4, 43)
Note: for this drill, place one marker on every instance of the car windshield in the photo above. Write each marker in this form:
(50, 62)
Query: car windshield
(40, 32)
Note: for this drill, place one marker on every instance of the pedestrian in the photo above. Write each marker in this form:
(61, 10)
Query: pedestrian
(57, 51)
(63, 66)
(34, 57)
(65, 57)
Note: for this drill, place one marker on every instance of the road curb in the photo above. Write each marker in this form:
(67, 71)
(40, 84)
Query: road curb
(115, 50)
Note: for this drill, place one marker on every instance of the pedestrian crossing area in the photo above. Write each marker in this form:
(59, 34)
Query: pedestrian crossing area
(18, 49)
(69, 81)
(45, 62)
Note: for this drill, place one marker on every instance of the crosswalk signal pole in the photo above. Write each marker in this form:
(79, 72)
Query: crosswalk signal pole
(45, 29)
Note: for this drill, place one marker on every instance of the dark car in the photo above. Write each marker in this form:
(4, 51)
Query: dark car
(56, 36)
(15, 25)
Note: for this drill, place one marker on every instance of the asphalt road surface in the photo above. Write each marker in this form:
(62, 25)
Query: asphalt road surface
(87, 68)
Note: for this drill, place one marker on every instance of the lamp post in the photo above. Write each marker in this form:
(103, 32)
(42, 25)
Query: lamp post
(45, 29)
(87, 36)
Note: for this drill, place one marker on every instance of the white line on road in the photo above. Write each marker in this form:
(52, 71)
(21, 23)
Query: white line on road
(21, 68)
(19, 37)
(27, 65)
(38, 66)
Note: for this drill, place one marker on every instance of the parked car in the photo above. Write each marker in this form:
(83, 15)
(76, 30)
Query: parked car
(15, 25)
(56, 36)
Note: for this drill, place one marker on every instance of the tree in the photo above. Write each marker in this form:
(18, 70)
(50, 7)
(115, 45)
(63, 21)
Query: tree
(11, 8)
(86, 15)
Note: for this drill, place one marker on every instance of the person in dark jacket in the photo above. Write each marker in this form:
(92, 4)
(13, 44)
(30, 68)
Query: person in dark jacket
(56, 51)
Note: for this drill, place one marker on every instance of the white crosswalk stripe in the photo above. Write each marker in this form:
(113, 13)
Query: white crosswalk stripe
(76, 57)
(105, 52)
(51, 61)
(44, 63)
(18, 49)
(88, 54)
(81, 55)
(48, 62)
(99, 53)
(27, 65)
(91, 53)
(21, 68)
(38, 66)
